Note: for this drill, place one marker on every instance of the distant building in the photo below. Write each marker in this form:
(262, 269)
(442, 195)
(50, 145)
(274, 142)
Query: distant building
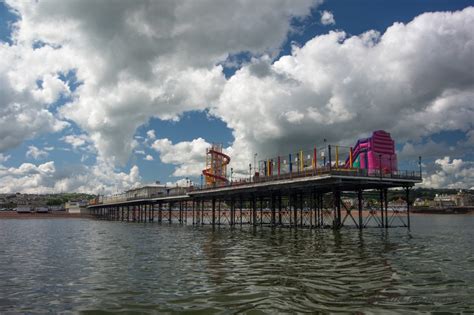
(443, 201)
(78, 207)
(420, 202)
(146, 192)
(463, 199)
(154, 191)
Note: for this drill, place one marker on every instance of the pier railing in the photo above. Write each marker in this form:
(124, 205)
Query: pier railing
(323, 171)
(320, 172)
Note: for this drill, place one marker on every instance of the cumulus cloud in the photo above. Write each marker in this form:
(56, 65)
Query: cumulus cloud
(27, 178)
(36, 153)
(451, 173)
(414, 80)
(29, 84)
(150, 134)
(4, 158)
(327, 18)
(76, 141)
(46, 178)
(428, 150)
(158, 57)
(137, 60)
(188, 156)
(182, 182)
(148, 157)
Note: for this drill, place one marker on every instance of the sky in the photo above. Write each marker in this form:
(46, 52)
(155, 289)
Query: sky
(103, 96)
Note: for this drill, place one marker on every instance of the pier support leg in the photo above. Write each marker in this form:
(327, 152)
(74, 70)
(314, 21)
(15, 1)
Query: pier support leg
(407, 191)
(202, 211)
(232, 212)
(193, 202)
(160, 212)
(254, 210)
(170, 209)
(279, 210)
(359, 199)
(293, 203)
(381, 208)
(385, 193)
(213, 211)
(302, 209)
(219, 212)
(337, 208)
(273, 221)
(321, 209)
(241, 206)
(186, 212)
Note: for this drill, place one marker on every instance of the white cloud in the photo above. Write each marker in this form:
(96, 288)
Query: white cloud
(81, 141)
(140, 152)
(428, 150)
(27, 178)
(141, 60)
(341, 88)
(36, 153)
(451, 173)
(4, 158)
(327, 18)
(188, 156)
(148, 158)
(182, 182)
(136, 61)
(150, 134)
(24, 110)
(46, 178)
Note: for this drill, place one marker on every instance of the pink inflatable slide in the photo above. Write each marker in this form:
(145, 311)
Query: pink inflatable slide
(375, 152)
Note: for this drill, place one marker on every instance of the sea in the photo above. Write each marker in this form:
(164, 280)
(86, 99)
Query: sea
(85, 266)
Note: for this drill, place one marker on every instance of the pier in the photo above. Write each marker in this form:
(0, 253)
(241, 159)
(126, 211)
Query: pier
(297, 190)
(302, 200)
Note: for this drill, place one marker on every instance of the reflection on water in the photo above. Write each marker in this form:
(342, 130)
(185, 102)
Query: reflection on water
(81, 265)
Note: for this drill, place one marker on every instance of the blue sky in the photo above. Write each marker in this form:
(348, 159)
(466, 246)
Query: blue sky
(203, 119)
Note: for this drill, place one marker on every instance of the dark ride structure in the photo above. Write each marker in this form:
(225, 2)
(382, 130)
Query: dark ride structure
(328, 187)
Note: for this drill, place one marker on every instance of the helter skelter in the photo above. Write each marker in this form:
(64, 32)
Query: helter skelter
(216, 166)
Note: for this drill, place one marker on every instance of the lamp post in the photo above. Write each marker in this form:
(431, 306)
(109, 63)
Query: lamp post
(201, 180)
(231, 173)
(322, 153)
(380, 165)
(250, 172)
(419, 163)
(255, 162)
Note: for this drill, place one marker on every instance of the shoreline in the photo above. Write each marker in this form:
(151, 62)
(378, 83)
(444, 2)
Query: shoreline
(49, 215)
(64, 215)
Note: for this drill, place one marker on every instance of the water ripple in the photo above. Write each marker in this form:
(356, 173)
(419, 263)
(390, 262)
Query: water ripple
(96, 267)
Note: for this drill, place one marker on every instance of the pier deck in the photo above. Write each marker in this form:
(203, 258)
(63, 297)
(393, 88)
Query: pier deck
(326, 198)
